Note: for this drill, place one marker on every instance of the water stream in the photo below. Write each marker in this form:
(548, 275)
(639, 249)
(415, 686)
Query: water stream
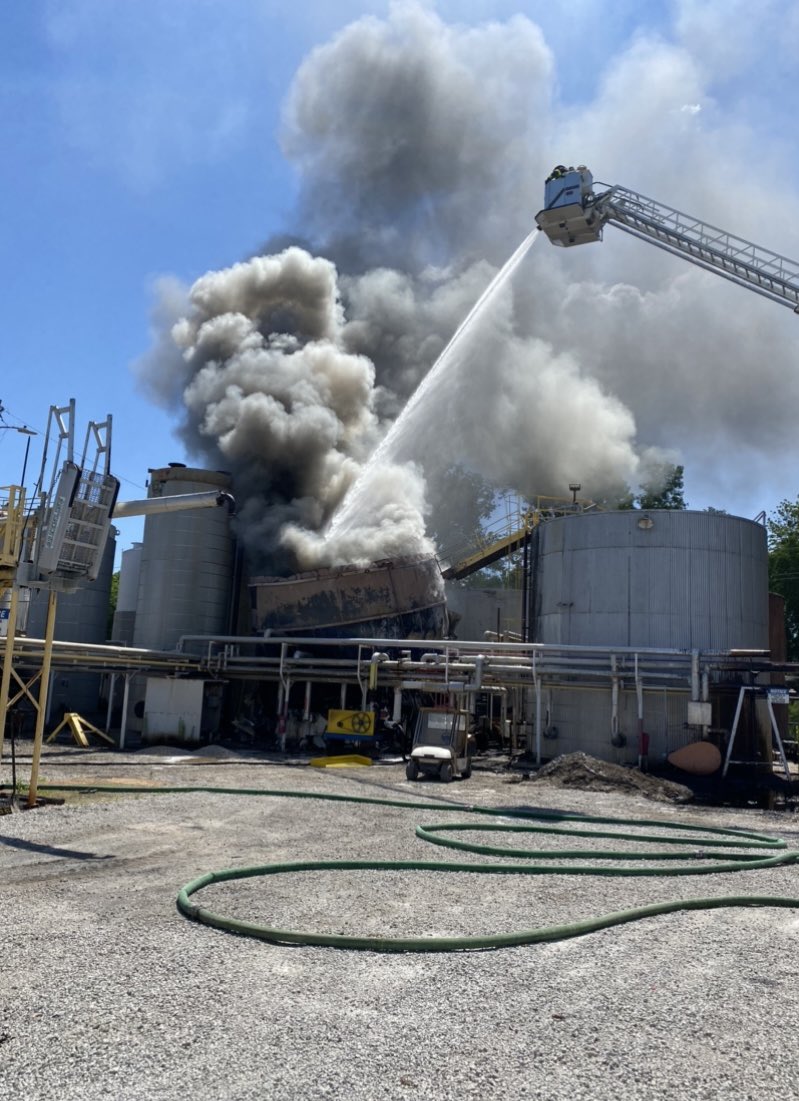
(396, 445)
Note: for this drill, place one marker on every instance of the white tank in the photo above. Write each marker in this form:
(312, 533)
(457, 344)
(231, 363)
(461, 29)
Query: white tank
(643, 579)
(659, 578)
(127, 595)
(82, 616)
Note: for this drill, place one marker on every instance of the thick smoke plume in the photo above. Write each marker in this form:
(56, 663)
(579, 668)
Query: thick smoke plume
(421, 150)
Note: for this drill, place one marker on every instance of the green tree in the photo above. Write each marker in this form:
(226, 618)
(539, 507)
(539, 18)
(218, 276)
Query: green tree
(112, 604)
(462, 502)
(664, 490)
(783, 567)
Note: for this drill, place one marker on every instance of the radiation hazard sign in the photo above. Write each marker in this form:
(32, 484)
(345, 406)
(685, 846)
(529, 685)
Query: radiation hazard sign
(351, 724)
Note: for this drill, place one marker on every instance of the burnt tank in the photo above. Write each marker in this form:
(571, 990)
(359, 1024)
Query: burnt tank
(394, 598)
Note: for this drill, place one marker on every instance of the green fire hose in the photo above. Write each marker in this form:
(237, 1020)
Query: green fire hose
(762, 852)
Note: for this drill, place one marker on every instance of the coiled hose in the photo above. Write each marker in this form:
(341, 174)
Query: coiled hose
(766, 852)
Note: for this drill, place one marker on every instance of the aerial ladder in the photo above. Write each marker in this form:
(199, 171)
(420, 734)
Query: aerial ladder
(576, 210)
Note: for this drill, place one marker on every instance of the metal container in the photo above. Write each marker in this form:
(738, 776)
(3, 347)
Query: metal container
(186, 563)
(81, 616)
(661, 578)
(398, 598)
(127, 595)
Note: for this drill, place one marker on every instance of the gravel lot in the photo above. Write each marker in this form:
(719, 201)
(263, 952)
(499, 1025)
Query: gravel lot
(107, 991)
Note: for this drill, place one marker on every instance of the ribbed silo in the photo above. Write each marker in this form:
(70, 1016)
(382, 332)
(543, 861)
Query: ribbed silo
(661, 578)
(81, 616)
(186, 563)
(665, 580)
(127, 595)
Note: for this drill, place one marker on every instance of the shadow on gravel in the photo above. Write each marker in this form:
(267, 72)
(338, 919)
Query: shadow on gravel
(425, 791)
(51, 850)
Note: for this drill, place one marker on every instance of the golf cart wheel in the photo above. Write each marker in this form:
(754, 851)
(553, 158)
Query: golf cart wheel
(466, 773)
(412, 770)
(445, 772)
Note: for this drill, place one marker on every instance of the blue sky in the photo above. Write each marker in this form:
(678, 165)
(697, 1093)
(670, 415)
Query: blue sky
(142, 138)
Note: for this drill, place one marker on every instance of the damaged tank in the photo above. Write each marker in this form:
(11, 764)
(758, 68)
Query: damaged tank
(394, 598)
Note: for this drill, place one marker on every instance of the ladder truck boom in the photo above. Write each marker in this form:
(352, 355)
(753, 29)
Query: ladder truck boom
(576, 212)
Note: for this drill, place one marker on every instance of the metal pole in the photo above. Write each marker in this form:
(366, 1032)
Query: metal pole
(5, 679)
(776, 731)
(741, 695)
(111, 686)
(123, 726)
(44, 683)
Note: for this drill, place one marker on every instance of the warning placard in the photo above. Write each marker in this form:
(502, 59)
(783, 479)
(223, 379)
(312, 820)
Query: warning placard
(351, 724)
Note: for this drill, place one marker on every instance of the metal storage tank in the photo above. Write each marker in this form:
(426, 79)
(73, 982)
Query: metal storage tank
(186, 563)
(81, 616)
(660, 578)
(127, 595)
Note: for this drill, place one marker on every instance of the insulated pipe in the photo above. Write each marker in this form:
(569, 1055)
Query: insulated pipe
(479, 663)
(643, 738)
(695, 676)
(705, 698)
(508, 648)
(179, 502)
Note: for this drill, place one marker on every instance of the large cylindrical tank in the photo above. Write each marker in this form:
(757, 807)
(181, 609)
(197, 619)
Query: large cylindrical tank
(660, 578)
(127, 595)
(186, 563)
(81, 616)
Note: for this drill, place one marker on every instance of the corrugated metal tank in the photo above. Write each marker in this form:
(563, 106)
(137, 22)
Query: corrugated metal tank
(81, 616)
(661, 578)
(186, 563)
(127, 595)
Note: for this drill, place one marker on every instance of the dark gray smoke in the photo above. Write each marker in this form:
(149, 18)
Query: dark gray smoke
(269, 391)
(422, 149)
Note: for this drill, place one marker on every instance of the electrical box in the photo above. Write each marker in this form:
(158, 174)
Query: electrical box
(699, 714)
(181, 710)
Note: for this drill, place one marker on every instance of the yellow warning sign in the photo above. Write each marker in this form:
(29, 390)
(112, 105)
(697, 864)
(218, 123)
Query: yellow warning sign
(351, 724)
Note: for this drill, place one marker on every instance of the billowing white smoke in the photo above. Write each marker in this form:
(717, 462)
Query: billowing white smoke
(421, 150)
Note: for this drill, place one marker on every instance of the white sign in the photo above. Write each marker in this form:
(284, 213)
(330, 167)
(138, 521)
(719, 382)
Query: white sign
(778, 695)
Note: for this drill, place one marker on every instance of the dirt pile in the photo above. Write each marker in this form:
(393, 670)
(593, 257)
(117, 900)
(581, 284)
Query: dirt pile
(578, 770)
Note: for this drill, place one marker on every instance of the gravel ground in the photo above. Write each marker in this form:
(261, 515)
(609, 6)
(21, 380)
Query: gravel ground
(107, 991)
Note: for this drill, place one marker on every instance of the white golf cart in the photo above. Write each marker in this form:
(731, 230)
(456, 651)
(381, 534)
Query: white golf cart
(442, 745)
